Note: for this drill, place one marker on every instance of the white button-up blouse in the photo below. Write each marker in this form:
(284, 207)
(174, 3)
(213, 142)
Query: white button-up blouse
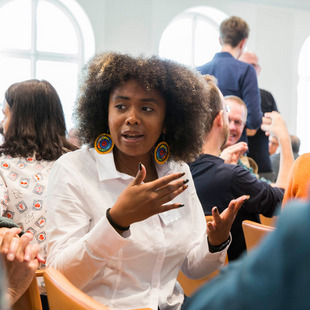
(134, 270)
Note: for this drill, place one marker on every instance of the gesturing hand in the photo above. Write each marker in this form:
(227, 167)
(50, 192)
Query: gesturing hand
(218, 230)
(142, 200)
(232, 154)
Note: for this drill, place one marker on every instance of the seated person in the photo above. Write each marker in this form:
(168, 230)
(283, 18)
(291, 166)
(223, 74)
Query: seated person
(217, 182)
(124, 216)
(237, 116)
(34, 133)
(274, 276)
(298, 180)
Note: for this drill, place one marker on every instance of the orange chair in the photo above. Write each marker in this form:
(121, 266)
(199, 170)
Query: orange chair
(254, 233)
(30, 300)
(63, 295)
(269, 221)
(190, 286)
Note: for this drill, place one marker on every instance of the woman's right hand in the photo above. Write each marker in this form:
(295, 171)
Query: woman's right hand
(142, 200)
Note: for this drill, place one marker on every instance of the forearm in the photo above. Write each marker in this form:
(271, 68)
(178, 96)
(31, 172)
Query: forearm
(286, 158)
(201, 263)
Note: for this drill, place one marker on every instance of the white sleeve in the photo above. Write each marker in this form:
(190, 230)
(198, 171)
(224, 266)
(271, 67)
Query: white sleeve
(199, 261)
(73, 246)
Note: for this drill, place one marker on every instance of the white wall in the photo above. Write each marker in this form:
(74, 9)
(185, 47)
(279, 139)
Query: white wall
(278, 30)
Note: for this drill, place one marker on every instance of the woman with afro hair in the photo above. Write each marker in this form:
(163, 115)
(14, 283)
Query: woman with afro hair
(125, 217)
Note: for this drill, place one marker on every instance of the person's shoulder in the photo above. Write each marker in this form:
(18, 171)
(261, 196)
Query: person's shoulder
(303, 158)
(80, 155)
(203, 69)
(178, 166)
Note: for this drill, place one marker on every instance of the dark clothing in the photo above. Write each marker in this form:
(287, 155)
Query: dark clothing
(217, 183)
(259, 143)
(239, 79)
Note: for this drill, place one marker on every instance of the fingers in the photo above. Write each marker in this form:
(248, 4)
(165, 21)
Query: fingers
(40, 259)
(7, 237)
(170, 192)
(140, 175)
(235, 204)
(31, 252)
(22, 254)
(158, 183)
(171, 206)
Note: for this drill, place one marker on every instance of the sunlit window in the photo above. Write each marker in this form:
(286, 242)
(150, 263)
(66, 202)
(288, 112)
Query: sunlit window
(192, 38)
(45, 39)
(303, 103)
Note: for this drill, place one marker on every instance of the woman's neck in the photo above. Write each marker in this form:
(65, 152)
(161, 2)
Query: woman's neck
(130, 165)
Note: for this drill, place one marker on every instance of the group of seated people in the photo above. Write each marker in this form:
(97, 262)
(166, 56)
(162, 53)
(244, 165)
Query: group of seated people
(122, 215)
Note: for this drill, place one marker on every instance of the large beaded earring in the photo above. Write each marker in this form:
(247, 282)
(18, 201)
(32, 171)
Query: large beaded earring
(162, 152)
(104, 143)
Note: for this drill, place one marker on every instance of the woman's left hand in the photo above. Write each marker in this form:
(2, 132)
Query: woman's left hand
(218, 230)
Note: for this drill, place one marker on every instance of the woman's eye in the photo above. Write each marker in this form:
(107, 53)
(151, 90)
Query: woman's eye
(120, 107)
(147, 109)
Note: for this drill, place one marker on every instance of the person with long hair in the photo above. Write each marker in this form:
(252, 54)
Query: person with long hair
(34, 133)
(124, 216)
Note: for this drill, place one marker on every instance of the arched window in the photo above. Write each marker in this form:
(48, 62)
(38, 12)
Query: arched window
(303, 100)
(192, 38)
(45, 39)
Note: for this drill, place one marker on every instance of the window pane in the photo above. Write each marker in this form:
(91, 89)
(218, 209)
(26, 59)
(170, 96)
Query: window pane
(13, 70)
(55, 32)
(63, 76)
(176, 41)
(15, 25)
(206, 42)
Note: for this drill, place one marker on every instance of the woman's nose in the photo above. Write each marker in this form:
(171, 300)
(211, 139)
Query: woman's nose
(132, 118)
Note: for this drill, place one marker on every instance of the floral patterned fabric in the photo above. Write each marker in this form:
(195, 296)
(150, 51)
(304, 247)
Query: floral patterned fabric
(23, 190)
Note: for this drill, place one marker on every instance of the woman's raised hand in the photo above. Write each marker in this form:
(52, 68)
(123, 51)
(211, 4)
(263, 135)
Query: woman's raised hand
(142, 200)
(218, 230)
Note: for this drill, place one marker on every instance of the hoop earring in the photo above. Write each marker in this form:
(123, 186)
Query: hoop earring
(162, 152)
(104, 143)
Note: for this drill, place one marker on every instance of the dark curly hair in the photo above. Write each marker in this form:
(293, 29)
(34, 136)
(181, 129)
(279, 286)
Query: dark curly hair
(183, 89)
(233, 30)
(37, 124)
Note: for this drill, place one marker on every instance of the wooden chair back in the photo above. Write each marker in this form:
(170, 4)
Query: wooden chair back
(254, 233)
(63, 295)
(268, 221)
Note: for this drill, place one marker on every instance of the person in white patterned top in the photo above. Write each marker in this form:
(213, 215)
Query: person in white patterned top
(34, 134)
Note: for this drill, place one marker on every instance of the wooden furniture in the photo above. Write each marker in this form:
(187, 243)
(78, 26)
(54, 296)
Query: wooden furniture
(254, 233)
(269, 221)
(63, 295)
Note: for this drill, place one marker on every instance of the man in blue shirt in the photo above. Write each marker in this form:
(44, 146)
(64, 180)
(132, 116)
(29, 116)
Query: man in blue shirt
(236, 77)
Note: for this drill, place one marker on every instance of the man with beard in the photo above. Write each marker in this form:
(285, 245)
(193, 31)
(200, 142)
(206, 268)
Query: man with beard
(217, 182)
